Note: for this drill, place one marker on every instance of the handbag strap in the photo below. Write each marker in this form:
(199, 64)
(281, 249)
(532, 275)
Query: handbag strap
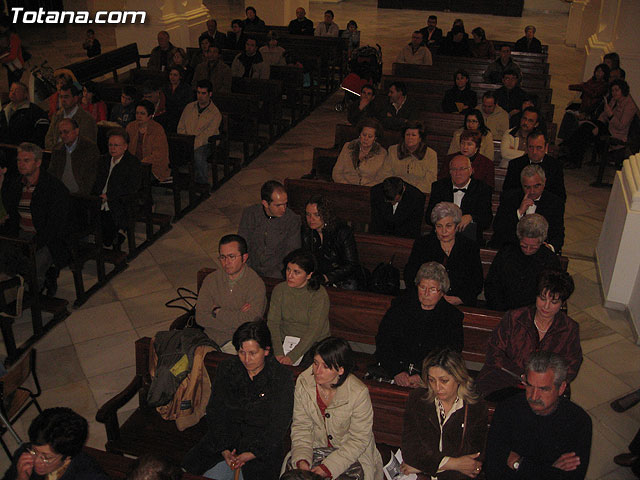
(464, 427)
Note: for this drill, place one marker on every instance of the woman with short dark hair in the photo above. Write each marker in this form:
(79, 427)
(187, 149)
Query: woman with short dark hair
(460, 97)
(479, 45)
(474, 121)
(332, 428)
(542, 326)
(248, 414)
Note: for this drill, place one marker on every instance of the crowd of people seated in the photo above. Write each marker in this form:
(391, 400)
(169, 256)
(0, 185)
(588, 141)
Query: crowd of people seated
(533, 355)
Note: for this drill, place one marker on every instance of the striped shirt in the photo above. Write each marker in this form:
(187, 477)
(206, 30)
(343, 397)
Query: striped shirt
(24, 208)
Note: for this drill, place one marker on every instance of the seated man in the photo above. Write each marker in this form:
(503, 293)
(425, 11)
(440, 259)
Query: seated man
(202, 119)
(230, 296)
(539, 433)
(529, 43)
(21, 120)
(250, 64)
(514, 141)
(117, 180)
(396, 208)
(70, 101)
(369, 105)
(415, 52)
(271, 230)
(495, 118)
(54, 450)
(327, 28)
(74, 161)
(301, 25)
(125, 112)
(510, 96)
(37, 205)
(253, 23)
(161, 55)
(471, 195)
(504, 63)
(513, 275)
(537, 148)
(533, 198)
(214, 70)
(456, 43)
(400, 109)
(431, 33)
(219, 38)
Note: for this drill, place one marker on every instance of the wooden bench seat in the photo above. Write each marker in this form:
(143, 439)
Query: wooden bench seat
(107, 63)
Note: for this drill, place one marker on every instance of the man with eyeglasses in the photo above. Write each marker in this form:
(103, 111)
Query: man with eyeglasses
(56, 438)
(514, 141)
(533, 198)
(230, 296)
(471, 195)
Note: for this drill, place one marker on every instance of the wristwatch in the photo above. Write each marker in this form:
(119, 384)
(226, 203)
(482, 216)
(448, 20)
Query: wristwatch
(516, 465)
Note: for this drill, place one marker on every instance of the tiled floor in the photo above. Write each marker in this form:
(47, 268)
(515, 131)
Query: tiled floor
(90, 357)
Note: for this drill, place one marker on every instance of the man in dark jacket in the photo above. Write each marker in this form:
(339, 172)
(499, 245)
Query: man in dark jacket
(21, 120)
(400, 108)
(253, 23)
(161, 55)
(117, 181)
(431, 33)
(37, 205)
(369, 106)
(301, 25)
(510, 96)
(396, 208)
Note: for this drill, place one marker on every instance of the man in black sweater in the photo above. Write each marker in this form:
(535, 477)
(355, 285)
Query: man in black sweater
(539, 434)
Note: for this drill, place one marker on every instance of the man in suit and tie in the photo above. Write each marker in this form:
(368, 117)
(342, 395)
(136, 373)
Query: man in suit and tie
(533, 198)
(537, 147)
(396, 208)
(118, 178)
(471, 195)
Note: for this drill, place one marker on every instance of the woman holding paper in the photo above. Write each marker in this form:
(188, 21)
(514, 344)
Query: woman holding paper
(299, 309)
(332, 428)
(445, 424)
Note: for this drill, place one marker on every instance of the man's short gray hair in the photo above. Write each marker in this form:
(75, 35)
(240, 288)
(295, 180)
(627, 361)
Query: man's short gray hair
(531, 171)
(446, 209)
(533, 225)
(31, 148)
(542, 360)
(436, 272)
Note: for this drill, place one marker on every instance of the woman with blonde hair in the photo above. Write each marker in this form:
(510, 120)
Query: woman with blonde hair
(445, 424)
(361, 161)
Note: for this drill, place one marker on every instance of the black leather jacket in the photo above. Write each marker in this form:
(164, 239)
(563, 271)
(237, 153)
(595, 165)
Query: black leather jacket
(336, 254)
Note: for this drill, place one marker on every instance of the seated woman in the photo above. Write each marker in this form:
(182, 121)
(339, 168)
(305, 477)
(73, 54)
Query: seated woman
(299, 308)
(62, 76)
(474, 121)
(332, 426)
(331, 242)
(615, 120)
(179, 59)
(204, 41)
(149, 142)
(54, 450)
(272, 53)
(353, 35)
(481, 47)
(360, 161)
(91, 102)
(483, 167)
(542, 326)
(177, 94)
(512, 281)
(456, 252)
(248, 414)
(460, 97)
(412, 160)
(419, 322)
(445, 423)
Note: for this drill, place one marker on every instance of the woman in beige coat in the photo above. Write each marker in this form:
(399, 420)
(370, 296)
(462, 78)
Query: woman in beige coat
(360, 161)
(332, 408)
(149, 142)
(412, 160)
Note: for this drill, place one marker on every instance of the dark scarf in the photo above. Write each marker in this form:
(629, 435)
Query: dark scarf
(248, 62)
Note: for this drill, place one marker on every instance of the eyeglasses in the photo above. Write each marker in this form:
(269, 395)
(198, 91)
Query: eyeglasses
(41, 456)
(431, 290)
(461, 169)
(231, 256)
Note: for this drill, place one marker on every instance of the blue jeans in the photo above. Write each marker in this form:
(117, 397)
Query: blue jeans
(221, 471)
(200, 164)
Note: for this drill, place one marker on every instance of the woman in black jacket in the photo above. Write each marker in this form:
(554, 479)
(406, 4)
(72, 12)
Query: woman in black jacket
(460, 97)
(332, 243)
(249, 412)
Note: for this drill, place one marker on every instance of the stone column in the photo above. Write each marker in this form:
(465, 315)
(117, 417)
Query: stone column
(574, 24)
(183, 19)
(277, 12)
(617, 253)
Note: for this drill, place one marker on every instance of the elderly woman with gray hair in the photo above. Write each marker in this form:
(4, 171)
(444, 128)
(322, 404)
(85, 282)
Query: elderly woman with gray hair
(417, 323)
(513, 276)
(458, 254)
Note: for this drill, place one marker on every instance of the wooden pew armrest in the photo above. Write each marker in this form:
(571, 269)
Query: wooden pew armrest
(108, 413)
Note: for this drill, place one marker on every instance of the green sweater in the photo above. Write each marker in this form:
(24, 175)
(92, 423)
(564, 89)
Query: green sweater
(299, 312)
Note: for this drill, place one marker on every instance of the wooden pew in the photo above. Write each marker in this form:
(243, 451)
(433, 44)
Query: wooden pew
(107, 63)
(270, 92)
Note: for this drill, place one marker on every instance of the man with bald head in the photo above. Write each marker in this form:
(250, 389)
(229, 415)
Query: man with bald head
(74, 160)
(301, 25)
(219, 38)
(160, 55)
(471, 195)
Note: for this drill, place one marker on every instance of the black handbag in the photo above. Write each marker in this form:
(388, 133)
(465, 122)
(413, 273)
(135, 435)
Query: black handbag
(385, 278)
